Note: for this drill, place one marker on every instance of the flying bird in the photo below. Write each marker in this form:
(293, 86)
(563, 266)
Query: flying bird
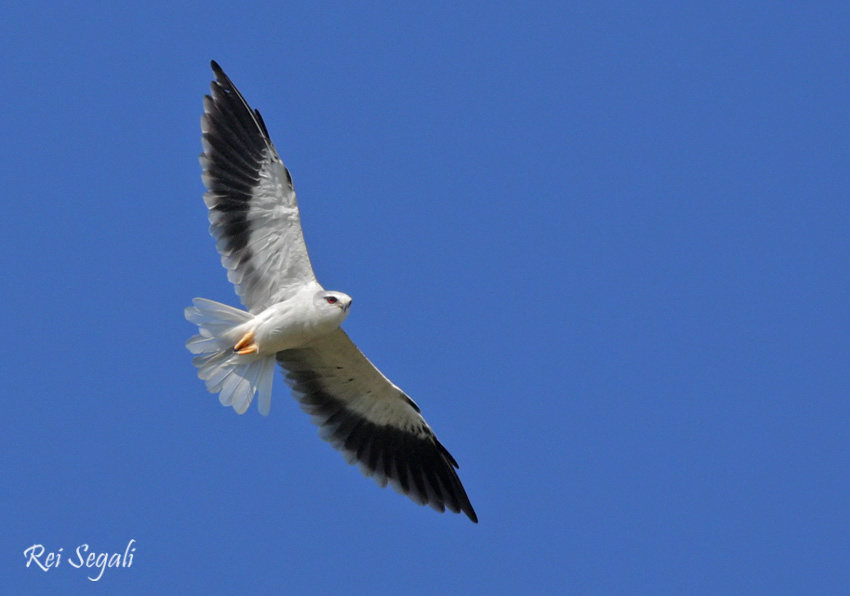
(291, 320)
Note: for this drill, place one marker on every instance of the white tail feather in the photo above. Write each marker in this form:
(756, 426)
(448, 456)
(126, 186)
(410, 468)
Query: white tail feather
(235, 377)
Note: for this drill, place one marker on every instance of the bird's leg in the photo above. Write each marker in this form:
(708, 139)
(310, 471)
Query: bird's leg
(246, 345)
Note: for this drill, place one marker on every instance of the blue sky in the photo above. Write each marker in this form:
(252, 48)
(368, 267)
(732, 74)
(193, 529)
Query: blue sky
(604, 246)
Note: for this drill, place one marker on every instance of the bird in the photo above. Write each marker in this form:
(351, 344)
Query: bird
(292, 321)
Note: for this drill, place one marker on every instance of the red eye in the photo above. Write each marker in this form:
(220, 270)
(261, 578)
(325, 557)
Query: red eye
(331, 299)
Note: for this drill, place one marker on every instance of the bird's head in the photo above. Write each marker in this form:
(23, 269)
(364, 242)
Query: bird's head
(334, 305)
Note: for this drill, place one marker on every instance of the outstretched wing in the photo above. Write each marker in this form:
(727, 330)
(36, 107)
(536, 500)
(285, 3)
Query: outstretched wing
(364, 415)
(252, 208)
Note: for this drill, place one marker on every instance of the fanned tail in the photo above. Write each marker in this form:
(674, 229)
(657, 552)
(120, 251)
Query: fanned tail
(235, 377)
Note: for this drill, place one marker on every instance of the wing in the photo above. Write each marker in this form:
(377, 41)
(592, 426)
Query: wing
(252, 208)
(361, 413)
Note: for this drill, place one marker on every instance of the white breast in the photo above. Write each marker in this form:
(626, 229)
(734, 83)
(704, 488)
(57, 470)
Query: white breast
(293, 323)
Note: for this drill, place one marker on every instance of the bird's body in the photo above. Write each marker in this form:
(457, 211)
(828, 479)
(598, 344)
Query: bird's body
(299, 319)
(292, 321)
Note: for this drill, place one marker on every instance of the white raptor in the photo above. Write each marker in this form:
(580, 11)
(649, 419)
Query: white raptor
(292, 320)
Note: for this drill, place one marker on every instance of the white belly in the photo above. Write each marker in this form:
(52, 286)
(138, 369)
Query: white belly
(291, 324)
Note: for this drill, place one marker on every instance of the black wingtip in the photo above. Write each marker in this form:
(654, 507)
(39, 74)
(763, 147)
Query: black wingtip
(220, 77)
(466, 506)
